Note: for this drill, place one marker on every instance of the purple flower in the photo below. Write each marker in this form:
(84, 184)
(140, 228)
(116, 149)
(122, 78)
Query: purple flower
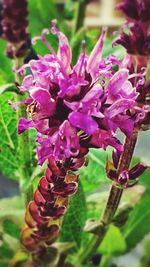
(67, 142)
(77, 107)
(119, 87)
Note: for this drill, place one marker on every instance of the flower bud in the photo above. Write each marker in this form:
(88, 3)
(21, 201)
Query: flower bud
(49, 204)
(14, 27)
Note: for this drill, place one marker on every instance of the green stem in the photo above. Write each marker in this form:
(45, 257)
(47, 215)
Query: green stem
(78, 25)
(113, 199)
(79, 15)
(105, 261)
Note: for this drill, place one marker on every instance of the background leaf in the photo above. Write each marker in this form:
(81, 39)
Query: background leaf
(11, 228)
(113, 243)
(41, 13)
(93, 176)
(8, 137)
(144, 179)
(74, 219)
(139, 222)
(5, 252)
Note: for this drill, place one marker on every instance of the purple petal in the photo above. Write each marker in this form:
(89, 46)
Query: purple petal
(47, 104)
(102, 139)
(118, 107)
(81, 64)
(64, 52)
(84, 122)
(45, 148)
(27, 83)
(67, 142)
(116, 83)
(24, 124)
(125, 123)
(96, 55)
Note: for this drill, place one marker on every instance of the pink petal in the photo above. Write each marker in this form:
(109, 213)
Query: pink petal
(64, 50)
(96, 56)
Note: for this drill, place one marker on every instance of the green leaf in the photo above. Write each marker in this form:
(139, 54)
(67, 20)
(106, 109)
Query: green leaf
(113, 243)
(8, 137)
(93, 176)
(95, 204)
(74, 219)
(139, 222)
(5, 251)
(11, 228)
(41, 13)
(144, 179)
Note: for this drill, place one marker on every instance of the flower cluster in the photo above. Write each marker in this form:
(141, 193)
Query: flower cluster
(49, 204)
(73, 108)
(135, 36)
(14, 13)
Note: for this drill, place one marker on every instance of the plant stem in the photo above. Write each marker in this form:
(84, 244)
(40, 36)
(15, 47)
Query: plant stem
(113, 199)
(78, 25)
(105, 261)
(79, 15)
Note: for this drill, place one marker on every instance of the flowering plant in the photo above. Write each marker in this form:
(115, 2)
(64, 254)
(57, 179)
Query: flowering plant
(76, 110)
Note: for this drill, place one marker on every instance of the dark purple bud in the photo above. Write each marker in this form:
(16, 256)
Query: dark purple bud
(48, 175)
(45, 232)
(44, 188)
(35, 213)
(123, 178)
(136, 9)
(129, 7)
(53, 166)
(64, 189)
(49, 203)
(14, 27)
(137, 171)
(52, 211)
(135, 42)
(38, 198)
